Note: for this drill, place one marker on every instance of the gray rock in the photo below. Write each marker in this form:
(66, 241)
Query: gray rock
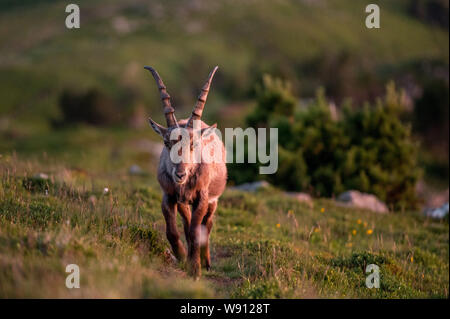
(357, 199)
(252, 187)
(135, 170)
(439, 212)
(437, 199)
(301, 197)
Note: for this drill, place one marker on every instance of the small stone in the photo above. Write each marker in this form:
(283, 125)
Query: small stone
(437, 213)
(253, 186)
(357, 199)
(301, 197)
(135, 170)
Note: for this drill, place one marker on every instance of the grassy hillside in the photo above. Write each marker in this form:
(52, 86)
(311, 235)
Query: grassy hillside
(39, 57)
(264, 245)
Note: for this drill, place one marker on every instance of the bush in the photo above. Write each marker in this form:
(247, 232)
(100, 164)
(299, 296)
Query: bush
(273, 98)
(382, 158)
(91, 107)
(368, 149)
(434, 12)
(431, 116)
(292, 174)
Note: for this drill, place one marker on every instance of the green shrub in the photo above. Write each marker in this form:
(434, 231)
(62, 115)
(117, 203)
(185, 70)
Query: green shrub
(367, 149)
(91, 107)
(37, 184)
(434, 12)
(273, 98)
(431, 116)
(293, 173)
(382, 157)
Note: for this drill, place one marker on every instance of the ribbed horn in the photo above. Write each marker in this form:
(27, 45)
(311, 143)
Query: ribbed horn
(165, 98)
(201, 100)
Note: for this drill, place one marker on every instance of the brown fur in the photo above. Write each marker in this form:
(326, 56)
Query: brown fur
(204, 184)
(189, 184)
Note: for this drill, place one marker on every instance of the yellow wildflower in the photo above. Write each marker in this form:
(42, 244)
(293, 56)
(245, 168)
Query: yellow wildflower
(316, 230)
(365, 224)
(278, 225)
(354, 232)
(412, 258)
(359, 221)
(369, 232)
(322, 210)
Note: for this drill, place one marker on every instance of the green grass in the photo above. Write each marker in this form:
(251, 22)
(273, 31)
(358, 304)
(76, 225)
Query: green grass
(39, 56)
(263, 245)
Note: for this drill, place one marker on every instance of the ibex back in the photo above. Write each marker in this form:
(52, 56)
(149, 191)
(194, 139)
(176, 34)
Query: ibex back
(187, 183)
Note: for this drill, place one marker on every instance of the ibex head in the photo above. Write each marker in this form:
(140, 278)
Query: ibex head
(181, 171)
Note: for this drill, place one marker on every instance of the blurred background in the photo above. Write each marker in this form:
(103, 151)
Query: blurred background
(356, 108)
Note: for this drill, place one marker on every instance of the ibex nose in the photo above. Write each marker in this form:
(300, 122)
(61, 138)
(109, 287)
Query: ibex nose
(180, 175)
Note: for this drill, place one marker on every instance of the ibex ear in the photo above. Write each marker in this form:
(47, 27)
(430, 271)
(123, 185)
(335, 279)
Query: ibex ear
(207, 131)
(161, 130)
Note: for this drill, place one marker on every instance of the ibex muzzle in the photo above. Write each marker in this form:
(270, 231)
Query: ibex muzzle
(188, 183)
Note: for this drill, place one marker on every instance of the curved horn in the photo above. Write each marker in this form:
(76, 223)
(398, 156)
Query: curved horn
(165, 98)
(198, 109)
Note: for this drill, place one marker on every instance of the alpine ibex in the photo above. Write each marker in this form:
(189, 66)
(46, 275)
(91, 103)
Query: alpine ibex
(189, 183)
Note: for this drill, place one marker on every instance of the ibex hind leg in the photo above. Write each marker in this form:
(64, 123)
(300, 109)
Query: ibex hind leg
(207, 223)
(169, 210)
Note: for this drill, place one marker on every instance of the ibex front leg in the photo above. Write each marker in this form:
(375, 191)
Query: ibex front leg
(185, 212)
(170, 212)
(207, 223)
(200, 209)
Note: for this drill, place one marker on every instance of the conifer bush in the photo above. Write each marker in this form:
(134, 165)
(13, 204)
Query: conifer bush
(364, 148)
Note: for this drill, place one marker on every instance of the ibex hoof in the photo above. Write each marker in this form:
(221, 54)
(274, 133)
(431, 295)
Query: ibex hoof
(195, 271)
(169, 256)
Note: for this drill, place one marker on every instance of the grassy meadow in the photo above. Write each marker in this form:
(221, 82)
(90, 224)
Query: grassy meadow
(263, 245)
(92, 212)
